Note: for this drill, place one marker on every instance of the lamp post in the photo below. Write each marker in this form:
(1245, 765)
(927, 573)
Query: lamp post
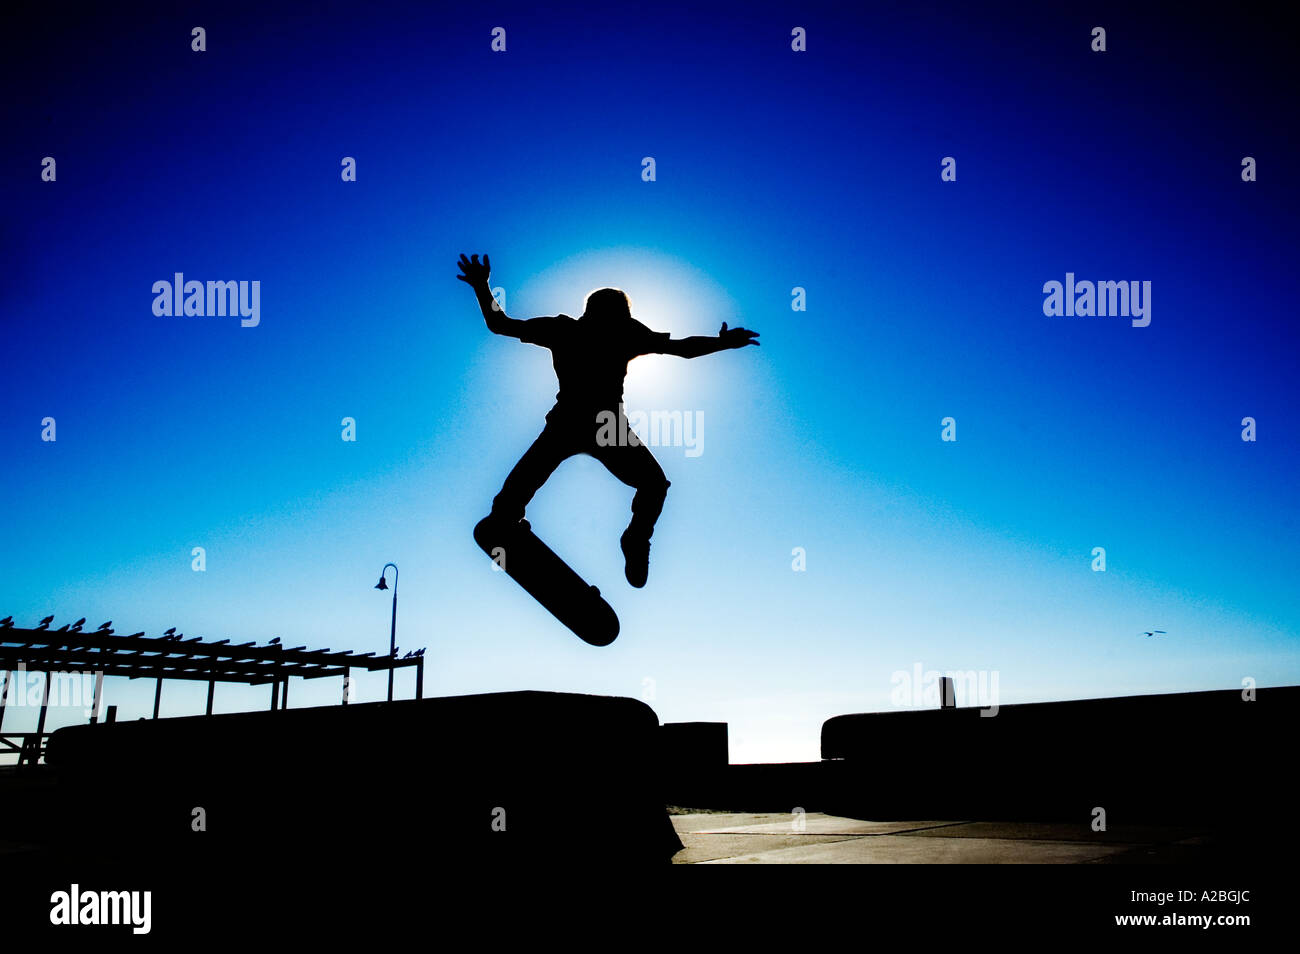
(392, 633)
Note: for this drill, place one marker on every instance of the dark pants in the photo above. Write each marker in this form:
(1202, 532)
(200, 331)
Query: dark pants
(630, 461)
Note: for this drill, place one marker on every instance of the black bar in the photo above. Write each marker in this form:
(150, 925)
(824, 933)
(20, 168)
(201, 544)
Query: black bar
(94, 706)
(40, 724)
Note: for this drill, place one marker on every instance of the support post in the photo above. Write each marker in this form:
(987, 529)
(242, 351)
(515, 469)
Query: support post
(275, 694)
(212, 686)
(4, 694)
(392, 642)
(157, 697)
(347, 683)
(45, 702)
(94, 706)
(419, 679)
(34, 753)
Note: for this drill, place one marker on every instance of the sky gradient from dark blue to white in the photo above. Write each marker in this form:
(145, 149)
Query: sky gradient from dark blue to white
(775, 169)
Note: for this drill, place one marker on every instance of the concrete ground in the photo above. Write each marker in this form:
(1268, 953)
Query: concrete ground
(734, 838)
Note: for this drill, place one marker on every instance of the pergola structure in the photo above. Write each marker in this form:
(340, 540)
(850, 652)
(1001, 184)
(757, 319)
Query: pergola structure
(170, 656)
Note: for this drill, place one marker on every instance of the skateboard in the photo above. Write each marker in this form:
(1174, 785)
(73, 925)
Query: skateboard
(548, 579)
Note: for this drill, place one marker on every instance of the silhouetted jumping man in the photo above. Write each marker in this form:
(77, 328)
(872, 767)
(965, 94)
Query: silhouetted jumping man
(591, 355)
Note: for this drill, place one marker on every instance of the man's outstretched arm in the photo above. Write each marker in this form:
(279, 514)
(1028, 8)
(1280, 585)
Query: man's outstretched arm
(476, 276)
(698, 345)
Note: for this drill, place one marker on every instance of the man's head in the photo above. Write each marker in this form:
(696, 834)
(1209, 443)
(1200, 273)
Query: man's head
(607, 304)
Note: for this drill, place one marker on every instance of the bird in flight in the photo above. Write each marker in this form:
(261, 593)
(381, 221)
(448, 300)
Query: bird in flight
(1154, 632)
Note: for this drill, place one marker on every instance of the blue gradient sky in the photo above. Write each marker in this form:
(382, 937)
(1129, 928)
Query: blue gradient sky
(775, 169)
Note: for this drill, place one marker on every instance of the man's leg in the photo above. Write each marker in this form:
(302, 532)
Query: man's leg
(634, 465)
(526, 477)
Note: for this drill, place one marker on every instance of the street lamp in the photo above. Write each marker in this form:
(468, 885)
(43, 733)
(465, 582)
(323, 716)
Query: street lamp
(392, 633)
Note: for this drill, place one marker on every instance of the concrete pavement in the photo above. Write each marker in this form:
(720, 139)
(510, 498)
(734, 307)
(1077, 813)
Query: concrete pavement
(816, 838)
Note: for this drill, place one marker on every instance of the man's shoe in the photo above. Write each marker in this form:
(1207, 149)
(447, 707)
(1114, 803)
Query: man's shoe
(636, 556)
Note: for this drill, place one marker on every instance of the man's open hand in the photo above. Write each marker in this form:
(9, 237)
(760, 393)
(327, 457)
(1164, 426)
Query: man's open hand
(737, 337)
(472, 273)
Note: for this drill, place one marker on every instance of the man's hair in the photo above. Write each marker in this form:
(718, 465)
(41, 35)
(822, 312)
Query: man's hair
(607, 303)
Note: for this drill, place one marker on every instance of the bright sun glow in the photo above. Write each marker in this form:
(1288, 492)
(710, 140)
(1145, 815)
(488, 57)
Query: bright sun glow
(667, 294)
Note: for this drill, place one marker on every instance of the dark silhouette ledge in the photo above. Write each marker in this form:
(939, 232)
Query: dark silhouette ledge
(481, 778)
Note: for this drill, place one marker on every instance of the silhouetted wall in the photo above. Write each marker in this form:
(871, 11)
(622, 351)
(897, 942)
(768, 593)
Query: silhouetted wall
(375, 782)
(1203, 757)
